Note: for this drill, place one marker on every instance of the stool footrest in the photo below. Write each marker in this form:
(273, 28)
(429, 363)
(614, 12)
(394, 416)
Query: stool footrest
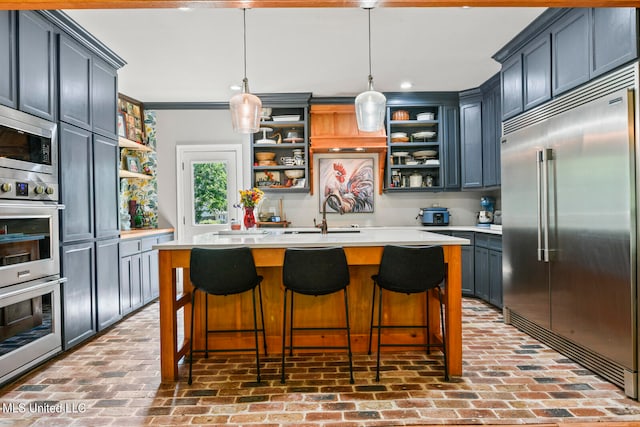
(218, 331)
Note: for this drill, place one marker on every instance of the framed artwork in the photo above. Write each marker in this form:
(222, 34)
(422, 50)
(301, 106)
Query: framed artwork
(122, 127)
(346, 183)
(133, 164)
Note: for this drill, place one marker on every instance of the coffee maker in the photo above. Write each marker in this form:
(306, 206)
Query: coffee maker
(485, 216)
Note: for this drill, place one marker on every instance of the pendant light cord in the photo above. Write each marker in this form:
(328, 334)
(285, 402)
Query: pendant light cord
(369, 12)
(244, 33)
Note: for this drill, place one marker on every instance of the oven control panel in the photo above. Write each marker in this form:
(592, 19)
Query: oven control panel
(32, 188)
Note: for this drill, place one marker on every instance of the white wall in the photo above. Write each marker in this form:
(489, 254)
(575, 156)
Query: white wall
(179, 127)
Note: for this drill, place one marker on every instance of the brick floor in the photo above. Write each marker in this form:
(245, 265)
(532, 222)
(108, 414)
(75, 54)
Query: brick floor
(509, 379)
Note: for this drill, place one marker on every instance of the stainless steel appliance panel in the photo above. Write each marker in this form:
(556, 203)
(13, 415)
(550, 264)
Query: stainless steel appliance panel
(525, 279)
(29, 241)
(590, 205)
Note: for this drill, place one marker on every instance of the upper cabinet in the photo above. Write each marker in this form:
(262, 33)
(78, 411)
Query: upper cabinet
(36, 56)
(562, 49)
(471, 138)
(280, 149)
(104, 102)
(8, 61)
(423, 146)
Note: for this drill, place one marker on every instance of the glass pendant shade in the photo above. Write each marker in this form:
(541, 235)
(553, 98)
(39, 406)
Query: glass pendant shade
(245, 111)
(370, 109)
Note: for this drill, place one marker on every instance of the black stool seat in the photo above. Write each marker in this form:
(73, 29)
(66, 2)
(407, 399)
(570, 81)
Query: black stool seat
(223, 272)
(409, 270)
(314, 271)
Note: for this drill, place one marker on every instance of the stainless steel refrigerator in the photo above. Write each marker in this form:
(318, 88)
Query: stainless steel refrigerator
(569, 226)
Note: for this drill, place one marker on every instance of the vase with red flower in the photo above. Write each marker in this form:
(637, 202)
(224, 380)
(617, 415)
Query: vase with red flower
(249, 218)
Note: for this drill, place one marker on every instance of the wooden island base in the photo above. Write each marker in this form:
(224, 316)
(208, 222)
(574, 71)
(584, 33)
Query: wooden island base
(235, 311)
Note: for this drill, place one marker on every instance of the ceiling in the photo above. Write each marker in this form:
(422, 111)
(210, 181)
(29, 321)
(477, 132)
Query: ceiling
(196, 55)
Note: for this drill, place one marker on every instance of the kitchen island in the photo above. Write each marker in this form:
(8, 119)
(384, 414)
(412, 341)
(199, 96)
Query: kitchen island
(363, 248)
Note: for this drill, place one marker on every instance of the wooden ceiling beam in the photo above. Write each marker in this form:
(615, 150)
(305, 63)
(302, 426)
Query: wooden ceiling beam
(239, 4)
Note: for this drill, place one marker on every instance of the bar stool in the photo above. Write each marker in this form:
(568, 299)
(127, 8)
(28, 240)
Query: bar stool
(223, 272)
(314, 271)
(409, 270)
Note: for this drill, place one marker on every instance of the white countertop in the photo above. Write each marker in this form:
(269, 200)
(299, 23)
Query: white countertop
(310, 237)
(493, 229)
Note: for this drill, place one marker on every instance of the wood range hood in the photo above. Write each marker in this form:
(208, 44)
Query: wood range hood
(334, 130)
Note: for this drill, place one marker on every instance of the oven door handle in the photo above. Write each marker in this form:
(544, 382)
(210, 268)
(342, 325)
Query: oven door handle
(45, 283)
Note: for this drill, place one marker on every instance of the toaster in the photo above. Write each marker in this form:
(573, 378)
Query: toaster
(434, 216)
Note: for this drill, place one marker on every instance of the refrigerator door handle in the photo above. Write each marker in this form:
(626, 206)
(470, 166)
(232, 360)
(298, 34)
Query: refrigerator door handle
(539, 160)
(546, 157)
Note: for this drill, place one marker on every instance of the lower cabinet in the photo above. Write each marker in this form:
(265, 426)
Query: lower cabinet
(468, 255)
(488, 268)
(78, 298)
(107, 282)
(139, 280)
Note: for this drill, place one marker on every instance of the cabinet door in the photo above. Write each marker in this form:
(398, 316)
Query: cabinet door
(468, 265)
(536, 71)
(451, 148)
(105, 164)
(125, 285)
(614, 38)
(491, 136)
(78, 297)
(107, 282)
(570, 49)
(495, 278)
(36, 80)
(150, 278)
(481, 269)
(104, 104)
(136, 281)
(8, 78)
(74, 65)
(471, 144)
(511, 82)
(76, 183)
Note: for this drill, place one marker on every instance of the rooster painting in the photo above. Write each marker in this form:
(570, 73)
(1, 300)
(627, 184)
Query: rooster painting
(351, 181)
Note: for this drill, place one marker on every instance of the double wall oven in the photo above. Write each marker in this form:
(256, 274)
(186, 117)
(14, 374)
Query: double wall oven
(30, 322)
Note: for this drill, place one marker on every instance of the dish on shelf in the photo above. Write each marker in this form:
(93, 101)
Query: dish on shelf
(398, 134)
(425, 153)
(425, 116)
(266, 112)
(267, 163)
(400, 154)
(292, 140)
(412, 162)
(400, 115)
(294, 173)
(400, 139)
(432, 162)
(286, 118)
(265, 155)
(423, 135)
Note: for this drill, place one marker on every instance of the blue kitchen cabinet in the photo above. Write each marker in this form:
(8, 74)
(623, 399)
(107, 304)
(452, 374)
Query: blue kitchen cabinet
(78, 293)
(130, 275)
(452, 173)
(107, 283)
(570, 51)
(468, 263)
(536, 71)
(471, 138)
(8, 59)
(36, 58)
(491, 132)
(481, 271)
(511, 81)
(495, 277)
(74, 64)
(614, 38)
(104, 98)
(488, 268)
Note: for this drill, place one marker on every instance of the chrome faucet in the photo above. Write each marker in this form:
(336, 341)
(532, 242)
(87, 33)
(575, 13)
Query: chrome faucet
(323, 226)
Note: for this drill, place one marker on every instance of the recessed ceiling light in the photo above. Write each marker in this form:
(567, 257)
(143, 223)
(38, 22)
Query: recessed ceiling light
(235, 87)
(406, 85)
(184, 9)
(466, 7)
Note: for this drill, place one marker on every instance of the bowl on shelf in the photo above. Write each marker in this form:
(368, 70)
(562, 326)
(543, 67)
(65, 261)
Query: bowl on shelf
(265, 155)
(400, 115)
(294, 173)
(286, 118)
(423, 154)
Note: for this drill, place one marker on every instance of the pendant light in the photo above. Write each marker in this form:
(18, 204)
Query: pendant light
(245, 107)
(370, 105)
